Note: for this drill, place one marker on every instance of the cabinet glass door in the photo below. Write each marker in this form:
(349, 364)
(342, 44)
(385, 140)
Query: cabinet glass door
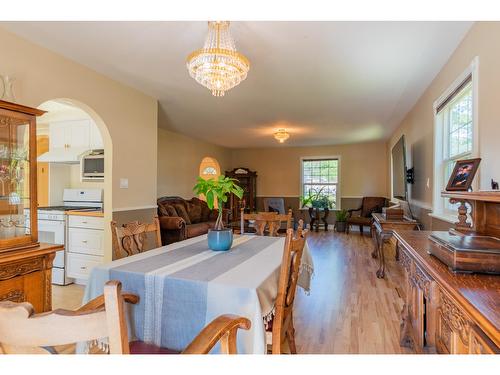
(16, 191)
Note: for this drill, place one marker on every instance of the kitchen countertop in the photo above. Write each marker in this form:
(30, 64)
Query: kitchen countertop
(86, 213)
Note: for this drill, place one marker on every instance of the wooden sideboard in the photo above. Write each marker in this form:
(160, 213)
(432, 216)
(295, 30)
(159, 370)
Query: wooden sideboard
(26, 275)
(446, 312)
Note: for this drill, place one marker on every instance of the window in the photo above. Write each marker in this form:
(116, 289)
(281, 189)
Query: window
(209, 171)
(320, 178)
(209, 168)
(455, 133)
(458, 130)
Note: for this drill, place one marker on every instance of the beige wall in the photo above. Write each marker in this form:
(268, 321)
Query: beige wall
(130, 117)
(363, 168)
(418, 126)
(127, 118)
(179, 159)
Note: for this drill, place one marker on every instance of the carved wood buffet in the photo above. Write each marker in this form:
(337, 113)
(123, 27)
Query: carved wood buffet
(26, 275)
(446, 312)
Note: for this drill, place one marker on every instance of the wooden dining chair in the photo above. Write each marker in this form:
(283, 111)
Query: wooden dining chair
(131, 238)
(251, 218)
(23, 332)
(282, 330)
(273, 220)
(269, 220)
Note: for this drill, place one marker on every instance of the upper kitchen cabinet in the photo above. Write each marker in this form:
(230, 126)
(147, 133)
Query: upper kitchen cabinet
(69, 140)
(18, 202)
(67, 134)
(96, 142)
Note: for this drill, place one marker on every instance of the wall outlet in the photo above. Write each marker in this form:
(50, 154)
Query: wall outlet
(123, 183)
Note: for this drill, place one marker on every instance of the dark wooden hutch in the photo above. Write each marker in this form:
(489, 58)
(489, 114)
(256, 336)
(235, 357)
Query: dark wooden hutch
(448, 312)
(25, 264)
(247, 179)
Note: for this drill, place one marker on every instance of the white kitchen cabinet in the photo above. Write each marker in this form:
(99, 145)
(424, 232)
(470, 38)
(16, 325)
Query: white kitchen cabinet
(85, 245)
(79, 266)
(96, 142)
(57, 135)
(86, 241)
(65, 134)
(87, 222)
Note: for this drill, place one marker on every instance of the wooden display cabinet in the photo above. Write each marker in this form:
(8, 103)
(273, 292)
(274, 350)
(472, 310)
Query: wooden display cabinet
(18, 203)
(25, 265)
(247, 180)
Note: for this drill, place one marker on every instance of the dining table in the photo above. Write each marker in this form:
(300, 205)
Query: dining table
(184, 286)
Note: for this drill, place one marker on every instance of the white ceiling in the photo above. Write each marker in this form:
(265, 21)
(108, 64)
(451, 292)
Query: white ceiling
(325, 82)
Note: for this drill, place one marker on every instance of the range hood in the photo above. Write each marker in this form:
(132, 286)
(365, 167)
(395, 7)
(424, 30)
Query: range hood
(69, 155)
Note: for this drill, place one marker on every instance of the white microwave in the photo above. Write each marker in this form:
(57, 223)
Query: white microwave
(92, 167)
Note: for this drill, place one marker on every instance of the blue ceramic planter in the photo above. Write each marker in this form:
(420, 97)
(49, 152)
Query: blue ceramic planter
(220, 240)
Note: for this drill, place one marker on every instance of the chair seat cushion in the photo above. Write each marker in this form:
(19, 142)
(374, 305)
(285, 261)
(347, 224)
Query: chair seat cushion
(360, 220)
(141, 347)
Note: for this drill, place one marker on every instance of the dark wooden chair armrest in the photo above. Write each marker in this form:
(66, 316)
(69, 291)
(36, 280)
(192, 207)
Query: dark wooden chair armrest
(171, 222)
(224, 329)
(98, 302)
(349, 212)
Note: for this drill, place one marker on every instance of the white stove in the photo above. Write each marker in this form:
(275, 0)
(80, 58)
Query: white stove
(52, 226)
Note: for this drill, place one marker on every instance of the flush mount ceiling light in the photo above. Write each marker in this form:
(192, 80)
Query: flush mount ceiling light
(281, 135)
(218, 66)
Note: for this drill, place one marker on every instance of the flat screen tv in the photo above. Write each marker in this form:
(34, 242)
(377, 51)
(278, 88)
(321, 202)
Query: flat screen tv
(399, 187)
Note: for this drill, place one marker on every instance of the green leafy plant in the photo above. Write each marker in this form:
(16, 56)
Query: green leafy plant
(341, 216)
(219, 189)
(316, 198)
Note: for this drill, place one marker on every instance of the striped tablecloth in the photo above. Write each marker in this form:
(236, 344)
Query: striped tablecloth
(183, 286)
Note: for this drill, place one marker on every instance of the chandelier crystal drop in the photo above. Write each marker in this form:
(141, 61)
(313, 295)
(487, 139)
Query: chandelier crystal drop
(218, 66)
(281, 135)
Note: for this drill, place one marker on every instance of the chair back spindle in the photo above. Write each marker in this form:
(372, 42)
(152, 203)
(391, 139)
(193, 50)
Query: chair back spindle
(131, 238)
(266, 220)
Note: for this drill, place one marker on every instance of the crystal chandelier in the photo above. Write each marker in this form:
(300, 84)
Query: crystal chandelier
(281, 135)
(218, 66)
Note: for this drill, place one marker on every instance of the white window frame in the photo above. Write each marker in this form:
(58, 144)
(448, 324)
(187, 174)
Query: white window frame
(337, 191)
(440, 209)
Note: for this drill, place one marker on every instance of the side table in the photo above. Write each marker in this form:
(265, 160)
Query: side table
(382, 231)
(316, 218)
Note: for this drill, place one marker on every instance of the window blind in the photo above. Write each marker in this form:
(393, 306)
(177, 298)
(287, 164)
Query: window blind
(454, 93)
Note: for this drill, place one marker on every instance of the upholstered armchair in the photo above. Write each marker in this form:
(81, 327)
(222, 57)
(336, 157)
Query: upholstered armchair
(362, 216)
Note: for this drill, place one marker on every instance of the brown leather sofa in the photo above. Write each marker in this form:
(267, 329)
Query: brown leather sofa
(181, 219)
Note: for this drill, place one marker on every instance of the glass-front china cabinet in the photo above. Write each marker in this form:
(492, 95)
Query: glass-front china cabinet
(18, 216)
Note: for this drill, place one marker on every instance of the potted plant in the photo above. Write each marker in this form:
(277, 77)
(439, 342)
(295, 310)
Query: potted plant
(340, 220)
(219, 238)
(316, 199)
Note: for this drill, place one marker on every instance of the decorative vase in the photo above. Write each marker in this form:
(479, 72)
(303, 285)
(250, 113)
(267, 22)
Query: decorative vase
(8, 93)
(220, 240)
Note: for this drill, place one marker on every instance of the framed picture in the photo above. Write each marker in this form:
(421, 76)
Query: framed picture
(463, 174)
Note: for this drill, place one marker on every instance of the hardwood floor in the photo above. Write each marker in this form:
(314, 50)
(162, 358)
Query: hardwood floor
(67, 297)
(349, 310)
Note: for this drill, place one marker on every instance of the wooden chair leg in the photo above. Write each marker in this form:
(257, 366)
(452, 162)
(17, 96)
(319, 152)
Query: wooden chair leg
(291, 340)
(361, 229)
